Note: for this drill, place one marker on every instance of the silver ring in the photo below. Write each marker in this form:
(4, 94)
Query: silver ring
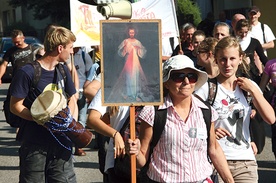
(114, 148)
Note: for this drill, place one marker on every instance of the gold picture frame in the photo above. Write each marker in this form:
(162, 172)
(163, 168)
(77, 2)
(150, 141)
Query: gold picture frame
(131, 62)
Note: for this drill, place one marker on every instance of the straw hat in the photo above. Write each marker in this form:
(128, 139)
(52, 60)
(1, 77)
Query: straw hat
(47, 105)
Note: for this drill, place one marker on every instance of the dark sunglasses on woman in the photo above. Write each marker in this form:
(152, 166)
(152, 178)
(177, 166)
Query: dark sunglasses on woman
(179, 77)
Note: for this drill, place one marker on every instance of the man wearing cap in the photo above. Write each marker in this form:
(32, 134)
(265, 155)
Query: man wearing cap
(45, 156)
(265, 34)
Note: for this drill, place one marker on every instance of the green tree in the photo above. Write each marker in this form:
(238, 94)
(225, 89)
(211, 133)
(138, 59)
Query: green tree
(58, 10)
(27, 29)
(189, 11)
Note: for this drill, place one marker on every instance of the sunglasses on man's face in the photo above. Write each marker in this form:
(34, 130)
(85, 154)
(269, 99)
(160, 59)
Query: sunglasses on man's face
(179, 77)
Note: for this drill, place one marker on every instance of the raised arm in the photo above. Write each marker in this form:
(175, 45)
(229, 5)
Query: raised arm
(260, 103)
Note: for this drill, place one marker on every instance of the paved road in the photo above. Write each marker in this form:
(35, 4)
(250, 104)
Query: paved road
(86, 167)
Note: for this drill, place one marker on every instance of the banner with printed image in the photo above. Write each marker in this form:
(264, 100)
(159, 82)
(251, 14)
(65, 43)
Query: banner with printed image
(85, 19)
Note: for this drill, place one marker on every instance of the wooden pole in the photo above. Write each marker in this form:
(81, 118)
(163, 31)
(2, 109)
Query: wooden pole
(72, 67)
(180, 44)
(132, 136)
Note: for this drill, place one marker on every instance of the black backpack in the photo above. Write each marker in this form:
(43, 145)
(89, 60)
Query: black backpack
(122, 166)
(256, 127)
(14, 120)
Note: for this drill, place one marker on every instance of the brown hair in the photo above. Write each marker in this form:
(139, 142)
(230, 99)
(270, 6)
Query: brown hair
(16, 33)
(198, 33)
(242, 23)
(208, 44)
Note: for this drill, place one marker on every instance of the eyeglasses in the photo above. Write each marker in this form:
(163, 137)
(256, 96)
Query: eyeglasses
(179, 77)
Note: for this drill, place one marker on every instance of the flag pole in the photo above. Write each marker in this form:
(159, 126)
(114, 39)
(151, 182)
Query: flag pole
(175, 22)
(132, 136)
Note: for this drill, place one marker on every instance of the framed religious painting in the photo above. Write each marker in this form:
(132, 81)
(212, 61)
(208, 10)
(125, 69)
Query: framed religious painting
(131, 62)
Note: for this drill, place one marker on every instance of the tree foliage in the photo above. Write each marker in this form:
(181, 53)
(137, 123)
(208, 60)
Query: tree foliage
(189, 8)
(58, 10)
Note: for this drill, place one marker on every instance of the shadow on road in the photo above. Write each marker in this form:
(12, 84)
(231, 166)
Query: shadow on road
(8, 145)
(86, 165)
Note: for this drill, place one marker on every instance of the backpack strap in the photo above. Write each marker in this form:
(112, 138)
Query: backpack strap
(83, 56)
(160, 119)
(61, 78)
(212, 93)
(60, 67)
(262, 26)
(37, 74)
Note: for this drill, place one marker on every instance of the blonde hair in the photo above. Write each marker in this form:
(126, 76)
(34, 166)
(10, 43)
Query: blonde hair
(57, 35)
(228, 42)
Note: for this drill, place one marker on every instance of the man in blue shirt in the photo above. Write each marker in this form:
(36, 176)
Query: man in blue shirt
(44, 156)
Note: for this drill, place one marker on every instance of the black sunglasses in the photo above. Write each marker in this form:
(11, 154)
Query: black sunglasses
(178, 77)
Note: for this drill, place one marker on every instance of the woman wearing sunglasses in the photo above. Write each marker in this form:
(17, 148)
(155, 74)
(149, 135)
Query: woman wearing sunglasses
(181, 152)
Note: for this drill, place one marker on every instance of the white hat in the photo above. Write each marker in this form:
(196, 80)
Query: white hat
(47, 105)
(180, 62)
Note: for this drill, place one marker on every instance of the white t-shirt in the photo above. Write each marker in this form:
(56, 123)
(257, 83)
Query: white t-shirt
(116, 122)
(245, 42)
(257, 33)
(234, 115)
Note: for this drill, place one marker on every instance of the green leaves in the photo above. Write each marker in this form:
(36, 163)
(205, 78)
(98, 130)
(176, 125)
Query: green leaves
(58, 10)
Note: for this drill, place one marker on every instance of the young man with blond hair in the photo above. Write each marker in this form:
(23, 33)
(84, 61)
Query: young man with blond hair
(44, 156)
